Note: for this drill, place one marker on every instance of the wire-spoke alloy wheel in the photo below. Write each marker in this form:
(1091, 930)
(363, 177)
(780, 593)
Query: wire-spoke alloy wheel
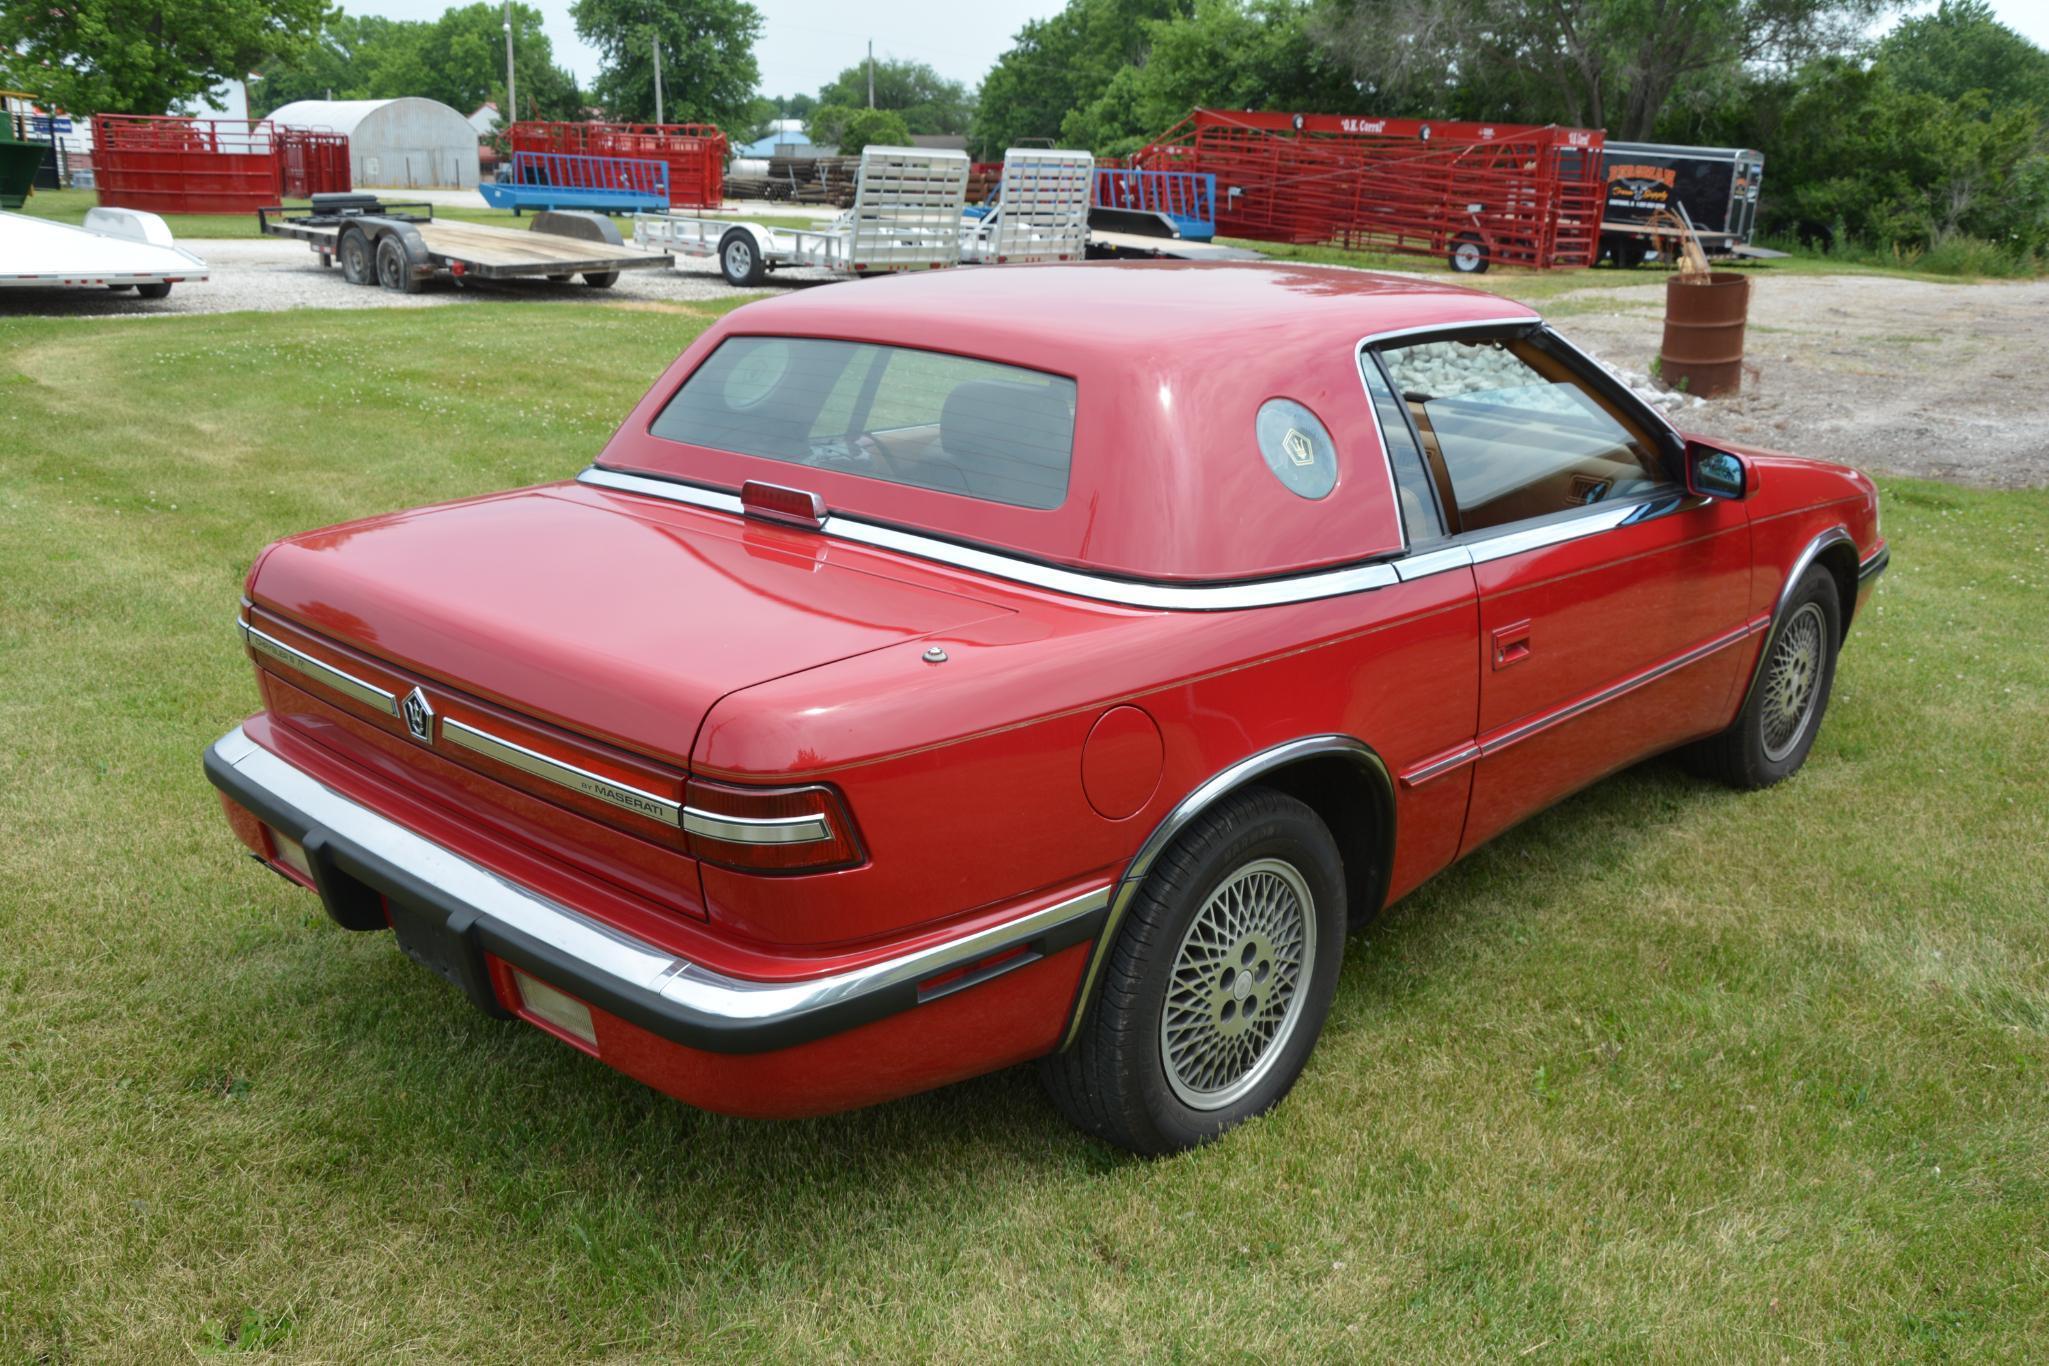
(1235, 992)
(1790, 681)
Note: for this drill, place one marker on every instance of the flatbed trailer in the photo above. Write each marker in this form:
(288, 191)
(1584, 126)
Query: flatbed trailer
(403, 246)
(116, 249)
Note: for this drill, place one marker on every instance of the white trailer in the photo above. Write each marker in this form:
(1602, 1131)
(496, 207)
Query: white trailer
(1041, 211)
(906, 216)
(117, 248)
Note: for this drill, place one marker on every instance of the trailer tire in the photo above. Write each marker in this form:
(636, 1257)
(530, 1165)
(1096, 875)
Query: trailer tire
(740, 260)
(395, 268)
(560, 279)
(1469, 255)
(159, 290)
(358, 261)
(601, 279)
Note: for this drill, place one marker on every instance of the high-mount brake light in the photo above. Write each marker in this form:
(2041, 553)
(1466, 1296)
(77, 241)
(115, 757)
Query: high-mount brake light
(798, 507)
(769, 829)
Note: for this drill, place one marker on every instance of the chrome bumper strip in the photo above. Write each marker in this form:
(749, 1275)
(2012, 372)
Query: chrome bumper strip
(1873, 567)
(448, 909)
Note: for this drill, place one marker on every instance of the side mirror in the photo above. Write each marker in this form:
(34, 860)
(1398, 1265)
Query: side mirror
(1715, 473)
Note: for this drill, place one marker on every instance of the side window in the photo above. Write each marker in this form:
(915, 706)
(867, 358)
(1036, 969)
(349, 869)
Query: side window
(1515, 434)
(1412, 481)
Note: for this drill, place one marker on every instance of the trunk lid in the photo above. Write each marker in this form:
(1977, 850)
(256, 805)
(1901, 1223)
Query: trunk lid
(590, 615)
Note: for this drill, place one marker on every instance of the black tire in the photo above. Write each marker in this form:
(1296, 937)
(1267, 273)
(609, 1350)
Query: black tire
(1469, 254)
(1116, 1082)
(394, 268)
(1757, 750)
(560, 279)
(358, 259)
(740, 259)
(119, 289)
(159, 290)
(601, 279)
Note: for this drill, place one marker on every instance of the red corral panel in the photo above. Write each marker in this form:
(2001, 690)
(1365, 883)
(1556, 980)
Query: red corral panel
(179, 165)
(1531, 195)
(694, 152)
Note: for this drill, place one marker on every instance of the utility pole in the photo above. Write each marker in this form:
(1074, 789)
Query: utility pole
(655, 41)
(871, 73)
(511, 92)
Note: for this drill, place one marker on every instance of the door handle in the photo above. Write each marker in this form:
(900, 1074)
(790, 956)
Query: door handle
(1511, 644)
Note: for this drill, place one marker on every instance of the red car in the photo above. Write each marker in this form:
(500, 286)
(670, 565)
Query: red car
(946, 672)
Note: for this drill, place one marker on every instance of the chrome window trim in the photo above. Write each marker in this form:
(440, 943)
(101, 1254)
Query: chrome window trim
(342, 681)
(1517, 539)
(1194, 804)
(756, 829)
(631, 967)
(622, 795)
(1216, 597)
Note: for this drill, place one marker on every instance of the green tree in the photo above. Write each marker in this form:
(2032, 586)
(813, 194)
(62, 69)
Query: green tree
(1960, 48)
(928, 101)
(147, 56)
(872, 127)
(827, 123)
(1228, 54)
(1063, 63)
(707, 46)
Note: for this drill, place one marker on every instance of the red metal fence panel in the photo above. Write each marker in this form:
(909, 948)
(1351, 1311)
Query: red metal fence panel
(180, 165)
(695, 153)
(1530, 195)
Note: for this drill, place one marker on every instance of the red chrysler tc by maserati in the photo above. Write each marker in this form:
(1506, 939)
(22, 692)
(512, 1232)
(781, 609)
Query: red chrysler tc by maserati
(1053, 663)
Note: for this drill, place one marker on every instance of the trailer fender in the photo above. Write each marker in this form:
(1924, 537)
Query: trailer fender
(131, 224)
(579, 223)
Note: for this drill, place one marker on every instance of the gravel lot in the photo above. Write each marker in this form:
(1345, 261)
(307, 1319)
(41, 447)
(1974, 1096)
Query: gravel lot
(1894, 376)
(1942, 381)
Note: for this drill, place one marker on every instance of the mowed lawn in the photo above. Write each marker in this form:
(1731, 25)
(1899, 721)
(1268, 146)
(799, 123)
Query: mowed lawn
(1667, 1072)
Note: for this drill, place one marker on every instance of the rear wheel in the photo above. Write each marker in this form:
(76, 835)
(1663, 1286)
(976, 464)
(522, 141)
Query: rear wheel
(159, 290)
(601, 279)
(739, 260)
(1469, 255)
(394, 270)
(358, 262)
(1772, 735)
(1216, 987)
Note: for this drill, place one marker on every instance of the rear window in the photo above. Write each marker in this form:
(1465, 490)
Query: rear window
(994, 432)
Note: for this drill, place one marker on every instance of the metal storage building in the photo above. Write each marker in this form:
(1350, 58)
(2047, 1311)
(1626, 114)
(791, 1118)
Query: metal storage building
(406, 144)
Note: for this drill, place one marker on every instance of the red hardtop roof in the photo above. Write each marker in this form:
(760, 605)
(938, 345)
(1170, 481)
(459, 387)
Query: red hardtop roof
(1171, 359)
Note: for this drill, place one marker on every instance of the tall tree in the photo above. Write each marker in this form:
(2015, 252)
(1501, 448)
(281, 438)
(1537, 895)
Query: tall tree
(147, 56)
(1963, 47)
(1062, 63)
(928, 101)
(458, 59)
(1613, 64)
(707, 46)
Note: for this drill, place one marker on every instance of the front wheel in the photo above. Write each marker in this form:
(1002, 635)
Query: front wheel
(358, 263)
(739, 260)
(601, 279)
(1469, 255)
(1781, 716)
(160, 290)
(1213, 993)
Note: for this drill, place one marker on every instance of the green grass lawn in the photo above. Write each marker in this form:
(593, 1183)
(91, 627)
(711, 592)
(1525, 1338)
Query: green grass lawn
(1667, 1072)
(69, 206)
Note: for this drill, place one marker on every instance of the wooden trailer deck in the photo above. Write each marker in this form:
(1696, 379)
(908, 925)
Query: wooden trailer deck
(559, 244)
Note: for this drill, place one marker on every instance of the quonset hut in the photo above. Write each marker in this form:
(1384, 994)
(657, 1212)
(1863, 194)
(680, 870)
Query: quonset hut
(405, 144)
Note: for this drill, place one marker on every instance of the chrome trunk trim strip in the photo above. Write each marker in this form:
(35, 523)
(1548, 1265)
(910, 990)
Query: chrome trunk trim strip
(756, 829)
(621, 795)
(270, 647)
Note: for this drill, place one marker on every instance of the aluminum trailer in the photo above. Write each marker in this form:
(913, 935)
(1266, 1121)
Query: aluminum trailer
(563, 180)
(906, 216)
(117, 249)
(403, 246)
(1041, 211)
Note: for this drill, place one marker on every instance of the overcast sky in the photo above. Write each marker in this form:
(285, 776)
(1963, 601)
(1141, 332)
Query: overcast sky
(805, 43)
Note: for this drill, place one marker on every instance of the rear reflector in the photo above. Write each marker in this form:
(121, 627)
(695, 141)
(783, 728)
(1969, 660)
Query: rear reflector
(564, 1012)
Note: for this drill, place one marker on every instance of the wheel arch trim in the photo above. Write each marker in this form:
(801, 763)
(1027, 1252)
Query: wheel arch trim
(1206, 794)
(1834, 536)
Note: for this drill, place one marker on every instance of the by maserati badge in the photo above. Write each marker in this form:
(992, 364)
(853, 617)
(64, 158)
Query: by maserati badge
(419, 716)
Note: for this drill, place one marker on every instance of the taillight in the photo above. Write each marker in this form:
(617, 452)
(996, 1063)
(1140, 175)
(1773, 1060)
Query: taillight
(769, 829)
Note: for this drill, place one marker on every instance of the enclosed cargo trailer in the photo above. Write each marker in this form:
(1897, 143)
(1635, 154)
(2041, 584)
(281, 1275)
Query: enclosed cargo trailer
(1715, 189)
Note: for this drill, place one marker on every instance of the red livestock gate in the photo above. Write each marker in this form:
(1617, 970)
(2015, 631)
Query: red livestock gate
(180, 165)
(1520, 195)
(695, 153)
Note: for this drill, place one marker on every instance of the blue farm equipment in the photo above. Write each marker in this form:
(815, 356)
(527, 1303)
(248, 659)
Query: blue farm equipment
(1156, 203)
(564, 180)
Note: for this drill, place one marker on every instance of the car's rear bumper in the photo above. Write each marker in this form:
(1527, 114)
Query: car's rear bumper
(461, 919)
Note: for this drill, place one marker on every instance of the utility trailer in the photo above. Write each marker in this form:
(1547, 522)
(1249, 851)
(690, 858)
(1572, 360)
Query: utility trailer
(403, 246)
(1041, 211)
(116, 249)
(564, 180)
(1179, 205)
(1713, 188)
(906, 215)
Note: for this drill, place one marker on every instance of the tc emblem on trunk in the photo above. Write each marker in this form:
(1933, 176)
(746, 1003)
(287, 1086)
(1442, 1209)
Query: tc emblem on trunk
(419, 716)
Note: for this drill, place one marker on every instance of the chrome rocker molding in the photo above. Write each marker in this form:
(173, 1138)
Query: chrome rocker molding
(449, 910)
(1194, 804)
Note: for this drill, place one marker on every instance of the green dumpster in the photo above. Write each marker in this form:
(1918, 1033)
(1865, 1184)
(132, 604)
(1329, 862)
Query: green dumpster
(18, 164)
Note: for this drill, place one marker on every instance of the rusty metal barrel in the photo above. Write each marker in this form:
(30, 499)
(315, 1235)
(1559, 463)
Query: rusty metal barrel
(1704, 318)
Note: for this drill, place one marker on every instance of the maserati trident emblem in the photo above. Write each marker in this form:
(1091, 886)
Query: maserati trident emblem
(1298, 447)
(419, 716)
